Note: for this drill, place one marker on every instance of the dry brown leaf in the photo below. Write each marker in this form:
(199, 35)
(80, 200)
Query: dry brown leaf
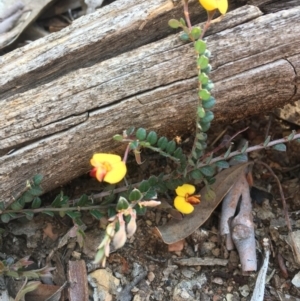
(178, 230)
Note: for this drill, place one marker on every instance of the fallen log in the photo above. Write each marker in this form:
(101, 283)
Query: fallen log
(53, 123)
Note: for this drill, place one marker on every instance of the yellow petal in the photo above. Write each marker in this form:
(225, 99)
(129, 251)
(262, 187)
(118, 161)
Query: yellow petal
(209, 5)
(222, 6)
(185, 189)
(117, 173)
(182, 206)
(99, 158)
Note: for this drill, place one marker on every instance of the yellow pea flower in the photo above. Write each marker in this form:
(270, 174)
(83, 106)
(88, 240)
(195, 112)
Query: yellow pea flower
(185, 199)
(211, 5)
(108, 168)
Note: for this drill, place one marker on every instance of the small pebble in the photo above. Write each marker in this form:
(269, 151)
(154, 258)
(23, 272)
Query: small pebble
(151, 276)
(216, 252)
(187, 273)
(296, 280)
(218, 280)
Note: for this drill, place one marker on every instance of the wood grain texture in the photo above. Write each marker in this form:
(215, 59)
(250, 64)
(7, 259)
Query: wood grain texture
(53, 126)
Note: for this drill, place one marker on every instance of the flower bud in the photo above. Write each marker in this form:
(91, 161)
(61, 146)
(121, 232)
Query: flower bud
(120, 236)
(131, 226)
(151, 203)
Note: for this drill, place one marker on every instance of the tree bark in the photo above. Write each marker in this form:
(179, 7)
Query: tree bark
(63, 97)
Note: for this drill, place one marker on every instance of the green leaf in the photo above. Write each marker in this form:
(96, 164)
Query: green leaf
(5, 218)
(62, 213)
(111, 212)
(2, 206)
(152, 180)
(222, 164)
(162, 143)
(56, 202)
(203, 78)
(134, 144)
(209, 116)
(27, 196)
(204, 94)
(150, 194)
(135, 195)
(144, 186)
(205, 126)
(208, 104)
(208, 171)
(200, 46)
(194, 154)
(239, 158)
(266, 142)
(196, 174)
(118, 137)
(96, 214)
(37, 179)
(200, 112)
(178, 153)
(191, 162)
(152, 137)
(196, 33)
(173, 23)
(209, 85)
(60, 201)
(172, 184)
(141, 134)
(182, 21)
(207, 53)
(130, 131)
(201, 136)
(199, 146)
(17, 205)
(245, 146)
(84, 199)
(36, 203)
(29, 215)
(171, 146)
(202, 62)
(35, 191)
(184, 37)
(50, 213)
(207, 70)
(73, 214)
(122, 204)
(226, 155)
(291, 135)
(281, 147)
(140, 210)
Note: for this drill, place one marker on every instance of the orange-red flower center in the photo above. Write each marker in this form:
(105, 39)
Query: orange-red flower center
(101, 170)
(192, 199)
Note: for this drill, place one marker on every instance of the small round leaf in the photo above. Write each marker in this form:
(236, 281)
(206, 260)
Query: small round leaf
(200, 46)
(162, 143)
(209, 116)
(173, 23)
(204, 94)
(135, 195)
(141, 134)
(280, 147)
(152, 137)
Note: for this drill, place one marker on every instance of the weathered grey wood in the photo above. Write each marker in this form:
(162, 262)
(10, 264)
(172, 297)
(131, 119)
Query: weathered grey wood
(112, 30)
(56, 126)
